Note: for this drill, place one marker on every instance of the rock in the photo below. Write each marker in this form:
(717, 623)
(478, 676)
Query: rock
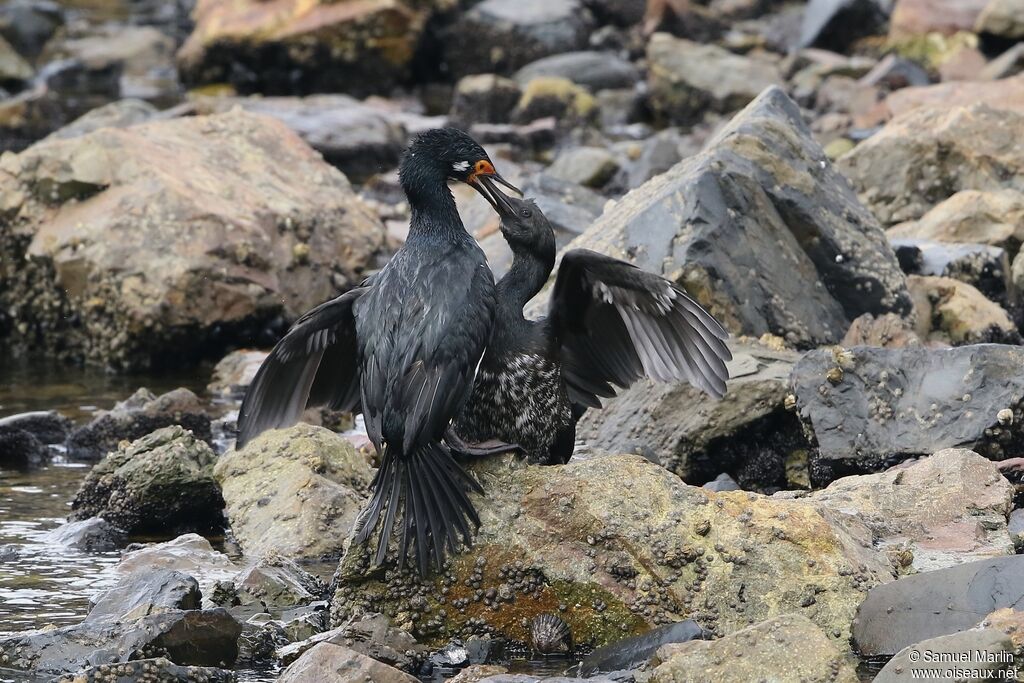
(938, 603)
(630, 653)
(979, 654)
(900, 172)
(234, 373)
(295, 46)
(828, 262)
(789, 647)
(292, 235)
(617, 12)
(93, 535)
(483, 98)
(894, 404)
(893, 72)
(836, 24)
(587, 166)
(558, 98)
(955, 312)
(28, 24)
(189, 554)
(946, 509)
(983, 267)
(912, 18)
(723, 482)
(691, 553)
(49, 426)
(688, 79)
(570, 208)
(995, 218)
(141, 56)
(659, 153)
(1001, 19)
(945, 96)
(963, 63)
(21, 449)
(295, 491)
(507, 37)
(145, 593)
(748, 433)
(475, 673)
(1008, 621)
(328, 661)
(139, 414)
(358, 139)
(1010, 63)
(119, 114)
(13, 67)
(275, 582)
(161, 483)
(593, 70)
(889, 330)
(158, 668)
(371, 635)
(193, 638)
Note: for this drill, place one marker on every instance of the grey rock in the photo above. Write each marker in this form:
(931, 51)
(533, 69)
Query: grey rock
(93, 535)
(161, 483)
(14, 70)
(889, 330)
(194, 637)
(328, 661)
(630, 653)
(937, 603)
(158, 668)
(749, 433)
(761, 230)
(660, 152)
(982, 653)
(119, 114)
(894, 72)
(867, 407)
(144, 593)
(836, 24)
(49, 426)
(136, 416)
(587, 166)
(984, 267)
(233, 373)
(508, 36)
(369, 634)
(189, 554)
(21, 449)
(593, 70)
(28, 24)
(483, 98)
(723, 482)
(275, 582)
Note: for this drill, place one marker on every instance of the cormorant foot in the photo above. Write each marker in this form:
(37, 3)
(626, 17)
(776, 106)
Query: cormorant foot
(480, 449)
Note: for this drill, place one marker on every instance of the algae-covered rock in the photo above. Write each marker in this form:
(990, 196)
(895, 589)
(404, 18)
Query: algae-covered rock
(554, 96)
(161, 483)
(570, 540)
(787, 648)
(156, 668)
(295, 491)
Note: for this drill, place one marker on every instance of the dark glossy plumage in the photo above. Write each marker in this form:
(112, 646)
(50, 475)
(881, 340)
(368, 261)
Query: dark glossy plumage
(609, 323)
(403, 349)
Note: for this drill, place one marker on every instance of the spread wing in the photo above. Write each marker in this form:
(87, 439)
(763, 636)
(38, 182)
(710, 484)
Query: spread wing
(618, 323)
(315, 364)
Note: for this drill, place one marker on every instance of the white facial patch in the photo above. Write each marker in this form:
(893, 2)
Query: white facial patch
(460, 166)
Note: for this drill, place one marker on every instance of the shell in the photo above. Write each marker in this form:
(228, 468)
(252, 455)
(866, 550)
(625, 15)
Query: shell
(550, 635)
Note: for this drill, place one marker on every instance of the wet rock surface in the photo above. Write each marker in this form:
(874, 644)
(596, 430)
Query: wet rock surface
(867, 407)
(144, 593)
(159, 669)
(294, 491)
(989, 652)
(161, 483)
(551, 538)
(328, 661)
(814, 259)
(94, 534)
(82, 208)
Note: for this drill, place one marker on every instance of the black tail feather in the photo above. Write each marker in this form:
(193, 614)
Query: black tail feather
(432, 489)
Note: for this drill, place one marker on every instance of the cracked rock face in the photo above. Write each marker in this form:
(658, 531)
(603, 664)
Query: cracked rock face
(555, 537)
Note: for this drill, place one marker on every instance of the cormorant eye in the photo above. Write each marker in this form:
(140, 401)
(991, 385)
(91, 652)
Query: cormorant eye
(525, 213)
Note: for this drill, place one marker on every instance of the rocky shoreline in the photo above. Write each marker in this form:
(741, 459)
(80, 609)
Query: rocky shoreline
(839, 183)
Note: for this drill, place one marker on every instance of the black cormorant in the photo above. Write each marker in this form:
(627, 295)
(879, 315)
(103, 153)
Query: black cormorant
(609, 323)
(402, 348)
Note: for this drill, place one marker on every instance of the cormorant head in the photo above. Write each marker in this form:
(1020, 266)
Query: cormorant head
(524, 224)
(454, 154)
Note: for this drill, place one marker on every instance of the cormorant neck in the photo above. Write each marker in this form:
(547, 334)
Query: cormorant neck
(531, 266)
(432, 206)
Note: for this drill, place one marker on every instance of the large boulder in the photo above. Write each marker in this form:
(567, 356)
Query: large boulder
(749, 433)
(954, 312)
(787, 648)
(294, 46)
(990, 655)
(1006, 94)
(945, 509)
(136, 416)
(914, 18)
(332, 662)
(144, 593)
(188, 554)
(500, 37)
(688, 79)
(929, 153)
(866, 407)
(762, 230)
(150, 244)
(295, 491)
(567, 537)
(161, 483)
(995, 218)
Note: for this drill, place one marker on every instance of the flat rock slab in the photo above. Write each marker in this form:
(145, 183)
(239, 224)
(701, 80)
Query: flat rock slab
(331, 662)
(937, 603)
(866, 406)
(977, 653)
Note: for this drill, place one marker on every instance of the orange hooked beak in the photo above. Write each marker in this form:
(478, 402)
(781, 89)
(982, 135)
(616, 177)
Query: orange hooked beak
(483, 179)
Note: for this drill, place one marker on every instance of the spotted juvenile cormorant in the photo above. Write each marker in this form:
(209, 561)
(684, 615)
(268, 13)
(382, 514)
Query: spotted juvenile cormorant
(403, 348)
(609, 323)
